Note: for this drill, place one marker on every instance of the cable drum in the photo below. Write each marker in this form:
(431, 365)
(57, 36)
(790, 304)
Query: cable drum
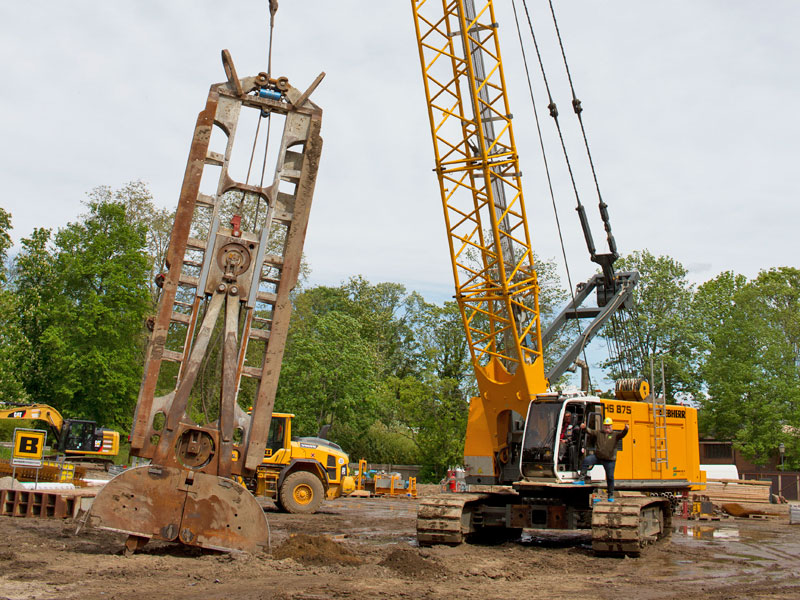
(632, 389)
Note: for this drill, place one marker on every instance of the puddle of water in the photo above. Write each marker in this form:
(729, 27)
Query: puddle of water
(708, 532)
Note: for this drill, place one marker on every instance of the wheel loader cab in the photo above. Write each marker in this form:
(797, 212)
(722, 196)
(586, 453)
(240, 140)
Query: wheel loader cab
(554, 444)
(279, 435)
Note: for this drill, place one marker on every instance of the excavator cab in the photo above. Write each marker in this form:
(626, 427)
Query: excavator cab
(80, 436)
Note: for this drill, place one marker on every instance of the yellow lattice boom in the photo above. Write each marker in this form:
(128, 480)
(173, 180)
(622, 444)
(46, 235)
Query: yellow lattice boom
(480, 183)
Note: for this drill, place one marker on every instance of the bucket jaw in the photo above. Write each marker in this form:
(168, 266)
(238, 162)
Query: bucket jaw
(176, 505)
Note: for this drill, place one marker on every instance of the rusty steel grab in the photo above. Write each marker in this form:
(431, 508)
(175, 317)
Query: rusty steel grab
(234, 257)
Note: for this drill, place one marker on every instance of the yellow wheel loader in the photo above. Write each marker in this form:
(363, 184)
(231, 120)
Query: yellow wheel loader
(299, 473)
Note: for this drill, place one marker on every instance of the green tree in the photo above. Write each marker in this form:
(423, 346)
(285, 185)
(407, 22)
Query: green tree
(87, 330)
(439, 345)
(15, 352)
(381, 312)
(329, 376)
(433, 415)
(141, 212)
(661, 326)
(33, 287)
(5, 242)
(752, 367)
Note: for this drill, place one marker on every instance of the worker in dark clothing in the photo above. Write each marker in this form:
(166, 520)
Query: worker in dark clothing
(605, 452)
(568, 442)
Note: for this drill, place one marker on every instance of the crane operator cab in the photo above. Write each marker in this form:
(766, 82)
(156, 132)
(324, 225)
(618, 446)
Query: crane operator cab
(553, 444)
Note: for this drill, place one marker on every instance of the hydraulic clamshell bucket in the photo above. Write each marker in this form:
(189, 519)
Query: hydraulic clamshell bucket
(222, 322)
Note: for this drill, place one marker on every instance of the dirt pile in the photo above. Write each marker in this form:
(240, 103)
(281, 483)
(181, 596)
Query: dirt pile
(409, 563)
(315, 550)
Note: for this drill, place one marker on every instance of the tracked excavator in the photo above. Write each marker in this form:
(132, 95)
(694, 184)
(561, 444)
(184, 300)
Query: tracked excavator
(77, 439)
(522, 472)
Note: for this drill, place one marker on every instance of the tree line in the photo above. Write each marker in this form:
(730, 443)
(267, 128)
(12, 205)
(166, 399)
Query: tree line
(388, 371)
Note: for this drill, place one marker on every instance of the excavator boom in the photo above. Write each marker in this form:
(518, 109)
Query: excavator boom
(35, 412)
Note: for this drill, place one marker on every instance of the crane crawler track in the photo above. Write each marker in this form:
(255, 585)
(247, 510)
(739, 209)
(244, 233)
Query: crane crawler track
(444, 519)
(627, 525)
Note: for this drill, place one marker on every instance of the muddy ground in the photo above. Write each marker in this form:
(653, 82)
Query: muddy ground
(364, 548)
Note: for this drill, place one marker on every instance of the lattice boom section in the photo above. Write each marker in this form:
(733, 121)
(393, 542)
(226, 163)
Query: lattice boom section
(478, 170)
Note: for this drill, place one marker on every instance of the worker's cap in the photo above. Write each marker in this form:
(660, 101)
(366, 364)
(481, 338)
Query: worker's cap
(608, 421)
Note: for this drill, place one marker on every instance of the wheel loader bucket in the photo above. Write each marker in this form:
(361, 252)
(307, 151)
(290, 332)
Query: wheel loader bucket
(177, 505)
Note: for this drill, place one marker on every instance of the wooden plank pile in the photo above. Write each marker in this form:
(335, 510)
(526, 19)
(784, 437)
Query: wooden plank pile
(723, 491)
(743, 498)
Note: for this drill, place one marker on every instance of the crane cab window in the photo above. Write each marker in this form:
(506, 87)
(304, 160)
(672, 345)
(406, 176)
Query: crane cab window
(538, 444)
(570, 438)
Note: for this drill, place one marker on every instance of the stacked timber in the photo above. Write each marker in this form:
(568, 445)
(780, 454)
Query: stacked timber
(743, 498)
(723, 491)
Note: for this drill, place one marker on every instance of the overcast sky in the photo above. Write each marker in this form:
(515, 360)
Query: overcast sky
(690, 106)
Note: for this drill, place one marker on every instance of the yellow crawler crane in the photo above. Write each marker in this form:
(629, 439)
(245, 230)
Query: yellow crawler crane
(498, 295)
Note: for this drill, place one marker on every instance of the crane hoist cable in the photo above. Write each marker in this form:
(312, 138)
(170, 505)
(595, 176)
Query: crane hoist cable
(273, 8)
(627, 347)
(630, 346)
(578, 109)
(547, 166)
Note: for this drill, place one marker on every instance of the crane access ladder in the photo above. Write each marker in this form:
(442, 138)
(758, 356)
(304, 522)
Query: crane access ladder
(660, 451)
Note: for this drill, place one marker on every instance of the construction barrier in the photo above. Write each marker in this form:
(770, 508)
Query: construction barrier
(40, 503)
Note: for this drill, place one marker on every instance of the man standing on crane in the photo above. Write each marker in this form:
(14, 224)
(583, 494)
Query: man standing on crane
(605, 453)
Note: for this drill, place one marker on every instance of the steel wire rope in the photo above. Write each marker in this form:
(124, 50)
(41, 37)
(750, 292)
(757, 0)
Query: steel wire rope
(546, 163)
(626, 346)
(578, 108)
(613, 343)
(620, 338)
(273, 8)
(602, 206)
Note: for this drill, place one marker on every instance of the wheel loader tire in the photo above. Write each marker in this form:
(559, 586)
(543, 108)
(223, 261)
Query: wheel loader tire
(301, 493)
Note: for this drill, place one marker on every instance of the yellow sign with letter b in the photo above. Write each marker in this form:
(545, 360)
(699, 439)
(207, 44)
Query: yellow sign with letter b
(29, 444)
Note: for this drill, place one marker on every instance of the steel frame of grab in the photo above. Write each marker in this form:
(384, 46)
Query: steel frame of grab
(480, 184)
(235, 280)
